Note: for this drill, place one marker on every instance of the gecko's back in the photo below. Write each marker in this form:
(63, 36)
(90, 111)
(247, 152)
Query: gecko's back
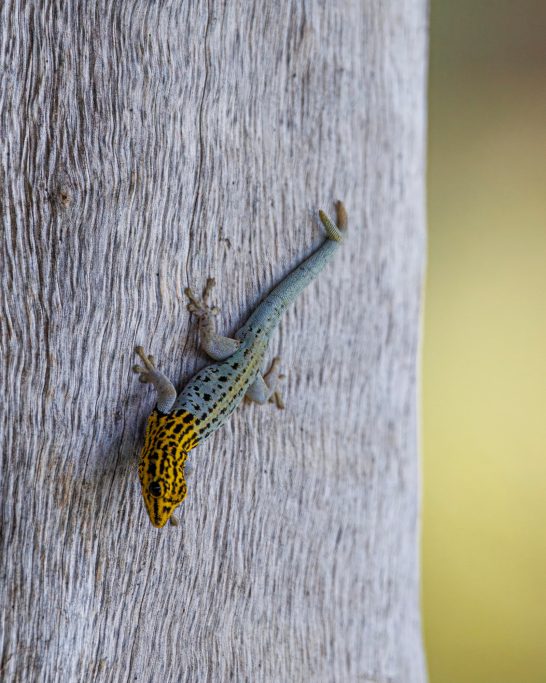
(216, 390)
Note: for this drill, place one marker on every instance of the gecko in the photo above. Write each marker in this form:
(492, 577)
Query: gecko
(180, 422)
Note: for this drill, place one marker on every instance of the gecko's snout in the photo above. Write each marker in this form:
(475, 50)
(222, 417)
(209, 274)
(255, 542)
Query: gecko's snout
(163, 486)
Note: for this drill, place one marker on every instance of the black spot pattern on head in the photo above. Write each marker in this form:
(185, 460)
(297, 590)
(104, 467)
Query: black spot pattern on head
(207, 397)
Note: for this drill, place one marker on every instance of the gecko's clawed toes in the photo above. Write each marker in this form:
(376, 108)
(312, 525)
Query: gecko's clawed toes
(200, 307)
(211, 282)
(276, 398)
(149, 364)
(143, 374)
(189, 293)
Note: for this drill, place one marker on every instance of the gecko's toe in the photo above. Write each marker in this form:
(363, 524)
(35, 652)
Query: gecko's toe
(277, 399)
(199, 306)
(144, 374)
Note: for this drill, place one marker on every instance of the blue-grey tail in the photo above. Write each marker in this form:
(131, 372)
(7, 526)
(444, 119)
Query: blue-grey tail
(267, 314)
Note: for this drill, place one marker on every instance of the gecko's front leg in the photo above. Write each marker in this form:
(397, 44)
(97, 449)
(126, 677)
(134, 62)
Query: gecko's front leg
(213, 344)
(149, 374)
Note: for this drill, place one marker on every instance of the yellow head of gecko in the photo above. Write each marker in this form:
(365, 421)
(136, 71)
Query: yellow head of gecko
(161, 468)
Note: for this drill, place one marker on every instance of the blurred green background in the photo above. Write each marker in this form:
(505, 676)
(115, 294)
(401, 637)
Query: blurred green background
(484, 372)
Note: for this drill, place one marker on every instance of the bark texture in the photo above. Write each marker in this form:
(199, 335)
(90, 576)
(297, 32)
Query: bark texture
(144, 146)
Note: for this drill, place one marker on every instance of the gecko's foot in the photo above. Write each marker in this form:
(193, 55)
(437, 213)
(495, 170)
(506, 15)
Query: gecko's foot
(276, 398)
(272, 378)
(147, 373)
(199, 306)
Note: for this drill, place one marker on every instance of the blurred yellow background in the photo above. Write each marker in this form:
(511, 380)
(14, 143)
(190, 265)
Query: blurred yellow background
(484, 372)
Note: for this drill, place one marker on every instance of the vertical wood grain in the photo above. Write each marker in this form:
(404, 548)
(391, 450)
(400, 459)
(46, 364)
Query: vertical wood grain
(145, 146)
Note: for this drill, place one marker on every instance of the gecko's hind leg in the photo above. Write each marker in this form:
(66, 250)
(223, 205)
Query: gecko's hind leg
(149, 374)
(264, 387)
(213, 344)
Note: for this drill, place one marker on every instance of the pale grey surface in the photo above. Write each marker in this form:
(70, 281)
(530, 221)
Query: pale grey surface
(144, 146)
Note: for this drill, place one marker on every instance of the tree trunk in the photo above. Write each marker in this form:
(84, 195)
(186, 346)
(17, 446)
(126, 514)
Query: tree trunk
(146, 146)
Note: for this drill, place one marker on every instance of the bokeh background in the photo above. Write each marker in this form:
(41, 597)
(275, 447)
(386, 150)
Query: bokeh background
(484, 372)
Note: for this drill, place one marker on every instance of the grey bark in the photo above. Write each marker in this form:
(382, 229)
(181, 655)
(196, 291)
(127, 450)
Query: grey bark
(147, 145)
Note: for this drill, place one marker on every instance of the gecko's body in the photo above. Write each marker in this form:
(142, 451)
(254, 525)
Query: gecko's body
(179, 423)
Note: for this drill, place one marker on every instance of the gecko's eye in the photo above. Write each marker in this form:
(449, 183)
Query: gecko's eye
(155, 489)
